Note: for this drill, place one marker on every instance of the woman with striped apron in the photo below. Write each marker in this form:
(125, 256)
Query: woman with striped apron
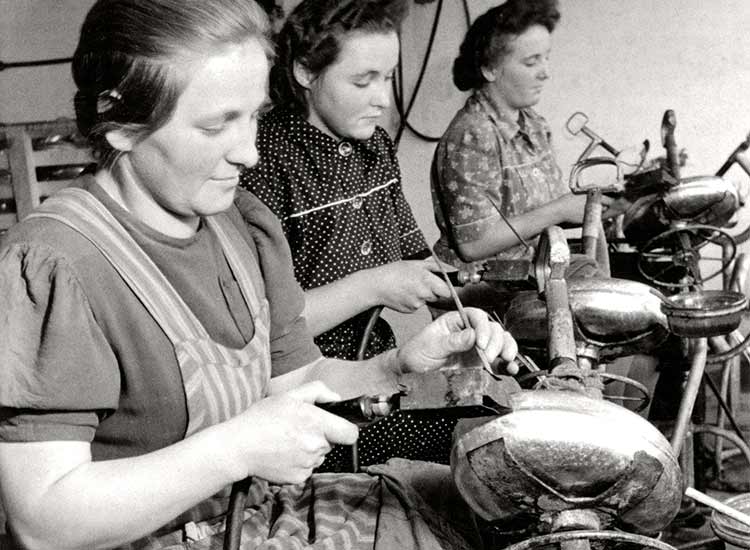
(221, 382)
(330, 510)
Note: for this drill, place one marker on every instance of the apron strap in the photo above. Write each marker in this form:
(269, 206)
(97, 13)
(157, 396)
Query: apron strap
(80, 210)
(247, 273)
(219, 382)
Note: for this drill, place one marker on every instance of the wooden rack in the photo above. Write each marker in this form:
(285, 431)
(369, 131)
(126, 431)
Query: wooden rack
(37, 159)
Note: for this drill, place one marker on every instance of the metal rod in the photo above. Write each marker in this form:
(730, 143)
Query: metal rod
(521, 359)
(592, 221)
(724, 407)
(507, 221)
(717, 505)
(602, 256)
(729, 377)
(733, 157)
(689, 394)
(561, 343)
(740, 271)
(741, 344)
(462, 312)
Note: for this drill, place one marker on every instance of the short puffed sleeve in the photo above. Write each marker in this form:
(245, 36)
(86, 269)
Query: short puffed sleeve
(58, 374)
(470, 167)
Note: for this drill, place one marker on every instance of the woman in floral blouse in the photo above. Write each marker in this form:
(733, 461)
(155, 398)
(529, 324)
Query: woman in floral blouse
(497, 148)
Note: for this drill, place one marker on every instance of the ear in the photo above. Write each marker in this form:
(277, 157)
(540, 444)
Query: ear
(490, 75)
(120, 140)
(302, 75)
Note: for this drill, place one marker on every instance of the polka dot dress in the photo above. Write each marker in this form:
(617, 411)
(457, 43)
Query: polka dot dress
(343, 210)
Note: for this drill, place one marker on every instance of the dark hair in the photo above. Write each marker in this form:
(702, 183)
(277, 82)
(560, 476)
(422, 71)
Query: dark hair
(271, 7)
(125, 64)
(490, 35)
(312, 36)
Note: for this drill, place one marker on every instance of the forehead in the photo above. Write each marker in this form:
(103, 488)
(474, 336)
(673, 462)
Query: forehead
(533, 41)
(362, 51)
(234, 77)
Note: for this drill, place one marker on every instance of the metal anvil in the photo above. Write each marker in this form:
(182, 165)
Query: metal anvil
(461, 391)
(469, 391)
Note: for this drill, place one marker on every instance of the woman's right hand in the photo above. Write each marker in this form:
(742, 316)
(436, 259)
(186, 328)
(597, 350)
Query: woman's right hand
(284, 437)
(406, 285)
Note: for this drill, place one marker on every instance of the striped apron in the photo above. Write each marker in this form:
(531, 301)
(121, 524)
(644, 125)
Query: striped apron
(220, 382)
(328, 511)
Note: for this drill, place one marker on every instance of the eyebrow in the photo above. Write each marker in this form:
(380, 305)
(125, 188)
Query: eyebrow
(366, 73)
(219, 117)
(234, 114)
(374, 72)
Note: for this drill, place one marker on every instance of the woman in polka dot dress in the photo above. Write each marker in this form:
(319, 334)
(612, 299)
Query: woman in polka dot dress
(330, 173)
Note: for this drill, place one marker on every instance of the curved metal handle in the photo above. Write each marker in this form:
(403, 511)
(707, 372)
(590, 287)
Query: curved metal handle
(581, 165)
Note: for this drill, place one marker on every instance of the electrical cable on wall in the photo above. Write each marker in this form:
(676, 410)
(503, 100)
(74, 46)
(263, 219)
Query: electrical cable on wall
(398, 82)
(404, 113)
(38, 63)
(467, 12)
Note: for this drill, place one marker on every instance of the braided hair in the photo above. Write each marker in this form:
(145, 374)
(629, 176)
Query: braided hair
(312, 36)
(124, 66)
(489, 37)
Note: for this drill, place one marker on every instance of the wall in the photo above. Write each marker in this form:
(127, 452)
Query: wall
(32, 30)
(623, 63)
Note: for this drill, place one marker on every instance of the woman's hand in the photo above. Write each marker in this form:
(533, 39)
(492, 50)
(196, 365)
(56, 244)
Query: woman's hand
(570, 208)
(284, 437)
(446, 342)
(407, 285)
(614, 206)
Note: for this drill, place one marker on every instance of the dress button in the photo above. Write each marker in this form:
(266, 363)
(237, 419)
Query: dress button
(357, 203)
(537, 172)
(345, 149)
(366, 247)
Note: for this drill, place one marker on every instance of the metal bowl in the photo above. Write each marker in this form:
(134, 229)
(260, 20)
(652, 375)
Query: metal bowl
(704, 313)
(730, 530)
(705, 200)
(618, 316)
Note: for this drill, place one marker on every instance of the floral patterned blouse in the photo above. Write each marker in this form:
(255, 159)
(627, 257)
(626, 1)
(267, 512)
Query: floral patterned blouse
(483, 152)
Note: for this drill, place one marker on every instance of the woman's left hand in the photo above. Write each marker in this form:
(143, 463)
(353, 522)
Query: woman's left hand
(446, 342)
(614, 206)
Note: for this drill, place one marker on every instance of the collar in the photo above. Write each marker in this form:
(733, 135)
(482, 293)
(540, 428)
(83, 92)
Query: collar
(307, 135)
(508, 127)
